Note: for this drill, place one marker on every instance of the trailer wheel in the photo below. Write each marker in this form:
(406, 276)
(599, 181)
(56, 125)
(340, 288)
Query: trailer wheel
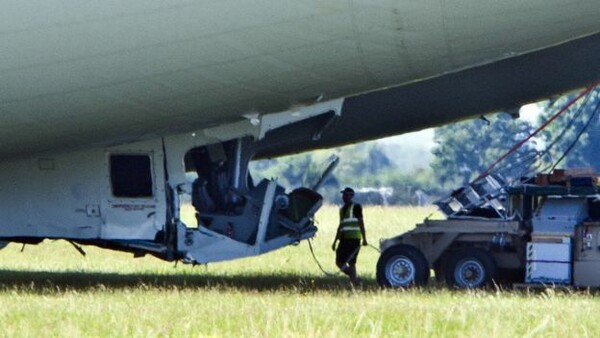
(470, 269)
(402, 266)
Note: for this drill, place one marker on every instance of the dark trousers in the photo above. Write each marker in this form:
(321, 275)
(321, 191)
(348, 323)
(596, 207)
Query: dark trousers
(347, 252)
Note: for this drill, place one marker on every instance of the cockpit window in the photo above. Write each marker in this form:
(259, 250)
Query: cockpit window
(131, 176)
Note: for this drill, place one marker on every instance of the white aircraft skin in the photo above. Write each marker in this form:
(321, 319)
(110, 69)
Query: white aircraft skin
(165, 89)
(78, 73)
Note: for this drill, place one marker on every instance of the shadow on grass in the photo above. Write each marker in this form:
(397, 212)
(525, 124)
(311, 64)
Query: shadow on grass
(53, 282)
(57, 281)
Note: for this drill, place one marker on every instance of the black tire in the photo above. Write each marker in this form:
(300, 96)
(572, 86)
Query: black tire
(402, 266)
(470, 268)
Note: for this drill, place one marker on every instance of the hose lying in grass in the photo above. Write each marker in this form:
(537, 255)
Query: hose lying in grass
(327, 273)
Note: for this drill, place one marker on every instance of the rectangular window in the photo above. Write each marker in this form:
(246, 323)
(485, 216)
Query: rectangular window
(131, 176)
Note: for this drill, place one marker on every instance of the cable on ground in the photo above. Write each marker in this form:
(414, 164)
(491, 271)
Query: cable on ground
(331, 274)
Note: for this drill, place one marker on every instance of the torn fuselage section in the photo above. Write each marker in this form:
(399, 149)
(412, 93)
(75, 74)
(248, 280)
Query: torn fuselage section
(234, 217)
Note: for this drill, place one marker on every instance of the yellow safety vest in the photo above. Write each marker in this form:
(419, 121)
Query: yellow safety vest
(349, 224)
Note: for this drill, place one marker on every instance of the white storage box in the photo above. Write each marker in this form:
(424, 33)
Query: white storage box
(550, 252)
(549, 262)
(542, 272)
(560, 215)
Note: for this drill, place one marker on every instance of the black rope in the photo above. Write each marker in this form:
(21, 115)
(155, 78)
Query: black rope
(570, 123)
(585, 127)
(539, 129)
(528, 162)
(560, 136)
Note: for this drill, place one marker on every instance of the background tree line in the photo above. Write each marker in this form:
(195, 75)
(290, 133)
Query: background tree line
(460, 153)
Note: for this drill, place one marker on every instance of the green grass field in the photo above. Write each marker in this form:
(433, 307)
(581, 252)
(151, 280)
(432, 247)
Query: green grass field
(51, 290)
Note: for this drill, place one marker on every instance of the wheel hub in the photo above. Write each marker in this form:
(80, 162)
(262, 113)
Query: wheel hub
(469, 273)
(400, 271)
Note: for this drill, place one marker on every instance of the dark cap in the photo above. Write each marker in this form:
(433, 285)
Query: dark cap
(347, 190)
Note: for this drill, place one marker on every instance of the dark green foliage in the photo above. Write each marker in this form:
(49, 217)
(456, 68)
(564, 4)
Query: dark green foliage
(361, 165)
(466, 149)
(585, 151)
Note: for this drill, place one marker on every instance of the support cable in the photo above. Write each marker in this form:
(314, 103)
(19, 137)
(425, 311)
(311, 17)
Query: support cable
(543, 126)
(585, 127)
(528, 161)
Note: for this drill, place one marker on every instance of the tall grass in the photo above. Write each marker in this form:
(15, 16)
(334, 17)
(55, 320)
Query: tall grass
(51, 290)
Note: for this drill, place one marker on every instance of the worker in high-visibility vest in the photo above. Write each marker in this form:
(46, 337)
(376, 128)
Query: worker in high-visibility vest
(350, 232)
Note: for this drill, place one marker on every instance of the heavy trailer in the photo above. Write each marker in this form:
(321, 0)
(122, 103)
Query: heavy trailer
(543, 230)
